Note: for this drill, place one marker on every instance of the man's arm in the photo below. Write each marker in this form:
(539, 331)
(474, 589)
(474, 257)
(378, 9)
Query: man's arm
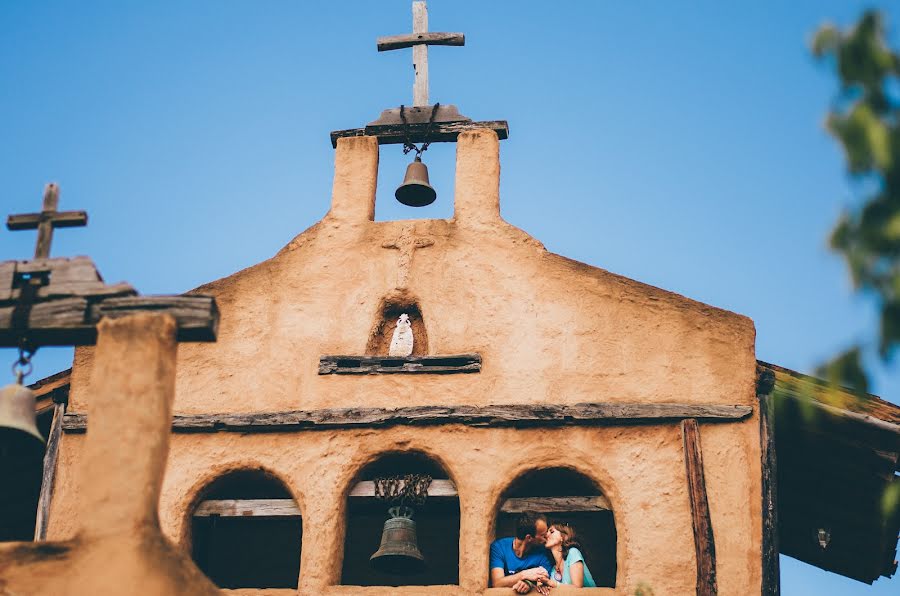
(499, 580)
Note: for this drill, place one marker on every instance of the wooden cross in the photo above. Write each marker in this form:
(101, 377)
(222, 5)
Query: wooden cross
(45, 221)
(419, 40)
(407, 245)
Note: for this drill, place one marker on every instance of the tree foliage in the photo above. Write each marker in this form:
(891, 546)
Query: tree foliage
(864, 121)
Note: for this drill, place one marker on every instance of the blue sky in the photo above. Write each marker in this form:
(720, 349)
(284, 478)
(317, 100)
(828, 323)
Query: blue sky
(680, 144)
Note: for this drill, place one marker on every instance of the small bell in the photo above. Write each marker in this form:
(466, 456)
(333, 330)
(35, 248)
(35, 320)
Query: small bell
(399, 551)
(19, 435)
(415, 190)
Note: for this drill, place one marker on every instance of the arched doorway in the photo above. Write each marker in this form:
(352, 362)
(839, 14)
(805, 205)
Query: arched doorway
(567, 496)
(437, 525)
(247, 532)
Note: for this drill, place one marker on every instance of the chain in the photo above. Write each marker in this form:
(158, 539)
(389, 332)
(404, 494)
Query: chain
(411, 488)
(22, 367)
(407, 144)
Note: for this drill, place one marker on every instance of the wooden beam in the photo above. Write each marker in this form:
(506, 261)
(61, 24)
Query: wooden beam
(367, 365)
(408, 40)
(771, 575)
(51, 456)
(440, 132)
(511, 415)
(288, 508)
(704, 540)
(72, 321)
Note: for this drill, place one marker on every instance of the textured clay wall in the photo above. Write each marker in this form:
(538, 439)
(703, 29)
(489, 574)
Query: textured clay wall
(549, 330)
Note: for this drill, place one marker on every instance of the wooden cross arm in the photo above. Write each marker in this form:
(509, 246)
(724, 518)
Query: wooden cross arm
(72, 321)
(408, 40)
(60, 219)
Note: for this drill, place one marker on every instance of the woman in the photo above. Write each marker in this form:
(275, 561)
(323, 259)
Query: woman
(566, 551)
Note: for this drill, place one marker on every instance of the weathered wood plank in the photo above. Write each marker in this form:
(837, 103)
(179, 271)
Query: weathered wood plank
(440, 132)
(408, 40)
(365, 365)
(704, 540)
(72, 321)
(555, 504)
(445, 488)
(61, 219)
(438, 488)
(51, 456)
(771, 574)
(510, 415)
(420, 55)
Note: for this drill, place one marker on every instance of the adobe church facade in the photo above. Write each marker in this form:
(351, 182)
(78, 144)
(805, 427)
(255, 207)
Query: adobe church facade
(567, 368)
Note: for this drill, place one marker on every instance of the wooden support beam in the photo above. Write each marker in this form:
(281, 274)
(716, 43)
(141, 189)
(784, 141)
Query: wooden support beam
(72, 321)
(440, 132)
(408, 40)
(367, 365)
(704, 540)
(771, 574)
(365, 489)
(510, 415)
(51, 456)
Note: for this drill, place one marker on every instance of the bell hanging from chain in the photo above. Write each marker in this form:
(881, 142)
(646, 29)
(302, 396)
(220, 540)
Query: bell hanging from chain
(415, 190)
(19, 434)
(399, 551)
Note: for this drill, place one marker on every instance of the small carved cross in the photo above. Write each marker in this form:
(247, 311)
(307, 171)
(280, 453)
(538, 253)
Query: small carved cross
(419, 40)
(45, 221)
(407, 245)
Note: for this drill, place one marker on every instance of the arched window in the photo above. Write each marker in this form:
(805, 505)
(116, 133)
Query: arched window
(566, 496)
(247, 532)
(437, 525)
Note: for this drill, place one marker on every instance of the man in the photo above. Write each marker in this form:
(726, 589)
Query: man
(517, 561)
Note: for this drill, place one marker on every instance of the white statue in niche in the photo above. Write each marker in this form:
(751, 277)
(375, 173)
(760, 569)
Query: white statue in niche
(402, 340)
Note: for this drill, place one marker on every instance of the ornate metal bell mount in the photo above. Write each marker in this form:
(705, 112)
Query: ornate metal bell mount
(399, 551)
(19, 434)
(416, 190)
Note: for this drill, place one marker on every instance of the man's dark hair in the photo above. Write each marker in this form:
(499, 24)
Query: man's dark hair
(527, 522)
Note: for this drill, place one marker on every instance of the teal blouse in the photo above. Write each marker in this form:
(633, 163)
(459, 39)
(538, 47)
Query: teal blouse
(573, 557)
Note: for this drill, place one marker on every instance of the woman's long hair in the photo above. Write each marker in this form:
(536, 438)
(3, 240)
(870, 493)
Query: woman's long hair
(570, 538)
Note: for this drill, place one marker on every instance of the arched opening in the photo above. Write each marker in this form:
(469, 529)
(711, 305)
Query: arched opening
(565, 496)
(247, 532)
(437, 525)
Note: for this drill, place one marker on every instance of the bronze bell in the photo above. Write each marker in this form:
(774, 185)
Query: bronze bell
(415, 190)
(19, 434)
(399, 552)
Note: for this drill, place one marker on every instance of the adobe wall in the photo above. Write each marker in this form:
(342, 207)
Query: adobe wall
(549, 330)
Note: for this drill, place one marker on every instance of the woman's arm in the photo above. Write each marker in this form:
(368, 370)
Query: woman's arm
(576, 572)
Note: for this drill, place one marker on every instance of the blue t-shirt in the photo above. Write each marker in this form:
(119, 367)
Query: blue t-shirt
(504, 557)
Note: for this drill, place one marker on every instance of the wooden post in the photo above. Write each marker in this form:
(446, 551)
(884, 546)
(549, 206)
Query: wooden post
(771, 573)
(704, 541)
(420, 55)
(49, 476)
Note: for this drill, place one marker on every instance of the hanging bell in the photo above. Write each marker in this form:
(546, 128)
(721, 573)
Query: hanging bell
(415, 190)
(399, 551)
(19, 434)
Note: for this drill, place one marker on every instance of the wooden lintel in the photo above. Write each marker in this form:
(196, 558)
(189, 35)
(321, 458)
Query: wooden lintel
(368, 365)
(408, 40)
(704, 540)
(510, 415)
(439, 132)
(51, 456)
(72, 321)
(288, 508)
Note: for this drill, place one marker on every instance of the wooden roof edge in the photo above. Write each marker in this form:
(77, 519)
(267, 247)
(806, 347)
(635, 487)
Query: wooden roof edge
(50, 390)
(865, 408)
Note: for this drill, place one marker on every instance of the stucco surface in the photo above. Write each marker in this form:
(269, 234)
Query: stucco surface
(549, 330)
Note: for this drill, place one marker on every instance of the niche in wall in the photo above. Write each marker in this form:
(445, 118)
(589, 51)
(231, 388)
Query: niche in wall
(248, 550)
(389, 310)
(437, 526)
(567, 496)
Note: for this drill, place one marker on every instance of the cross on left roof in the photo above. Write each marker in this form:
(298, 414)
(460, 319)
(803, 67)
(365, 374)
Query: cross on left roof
(45, 221)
